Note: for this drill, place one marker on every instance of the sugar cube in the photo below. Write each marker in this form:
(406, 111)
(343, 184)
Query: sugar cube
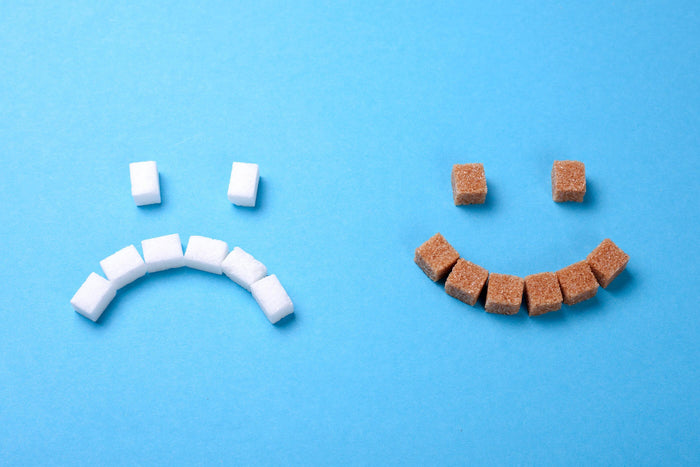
(205, 254)
(466, 281)
(568, 181)
(243, 186)
(145, 185)
(468, 184)
(436, 257)
(163, 253)
(123, 267)
(577, 283)
(243, 268)
(272, 298)
(542, 293)
(607, 261)
(504, 294)
(93, 296)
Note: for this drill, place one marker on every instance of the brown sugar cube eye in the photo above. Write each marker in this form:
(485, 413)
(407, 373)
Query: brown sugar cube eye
(468, 184)
(466, 281)
(607, 261)
(504, 294)
(577, 283)
(436, 257)
(568, 181)
(542, 293)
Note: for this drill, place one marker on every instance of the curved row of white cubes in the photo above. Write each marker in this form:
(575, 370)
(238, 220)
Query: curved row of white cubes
(162, 253)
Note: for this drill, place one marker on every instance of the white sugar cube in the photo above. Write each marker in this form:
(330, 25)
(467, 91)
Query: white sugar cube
(145, 186)
(272, 298)
(93, 296)
(242, 268)
(163, 253)
(205, 254)
(123, 267)
(243, 187)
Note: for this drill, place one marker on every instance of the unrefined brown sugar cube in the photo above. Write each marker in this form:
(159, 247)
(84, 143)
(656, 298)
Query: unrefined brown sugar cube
(466, 281)
(568, 181)
(436, 257)
(542, 293)
(607, 261)
(577, 283)
(504, 294)
(468, 184)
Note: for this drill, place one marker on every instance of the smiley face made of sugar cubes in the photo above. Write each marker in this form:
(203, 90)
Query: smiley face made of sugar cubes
(202, 253)
(544, 292)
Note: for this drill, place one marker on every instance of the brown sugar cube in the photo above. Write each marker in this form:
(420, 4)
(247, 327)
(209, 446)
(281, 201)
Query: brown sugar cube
(577, 283)
(466, 281)
(436, 257)
(568, 181)
(468, 184)
(543, 293)
(607, 261)
(504, 294)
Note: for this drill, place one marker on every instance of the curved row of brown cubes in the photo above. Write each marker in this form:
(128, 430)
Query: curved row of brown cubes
(544, 292)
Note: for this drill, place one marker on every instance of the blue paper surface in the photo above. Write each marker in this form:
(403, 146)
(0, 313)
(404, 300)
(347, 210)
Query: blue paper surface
(355, 113)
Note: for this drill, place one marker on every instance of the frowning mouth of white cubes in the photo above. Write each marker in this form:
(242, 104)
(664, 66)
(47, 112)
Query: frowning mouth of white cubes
(163, 253)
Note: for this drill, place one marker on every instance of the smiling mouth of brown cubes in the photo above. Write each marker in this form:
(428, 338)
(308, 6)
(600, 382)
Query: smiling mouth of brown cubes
(544, 292)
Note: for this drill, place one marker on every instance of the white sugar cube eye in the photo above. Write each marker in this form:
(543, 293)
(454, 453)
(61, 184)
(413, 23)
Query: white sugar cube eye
(205, 254)
(93, 296)
(123, 267)
(243, 187)
(145, 186)
(242, 268)
(163, 253)
(272, 298)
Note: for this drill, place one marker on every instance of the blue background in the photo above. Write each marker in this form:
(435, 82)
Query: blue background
(355, 113)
